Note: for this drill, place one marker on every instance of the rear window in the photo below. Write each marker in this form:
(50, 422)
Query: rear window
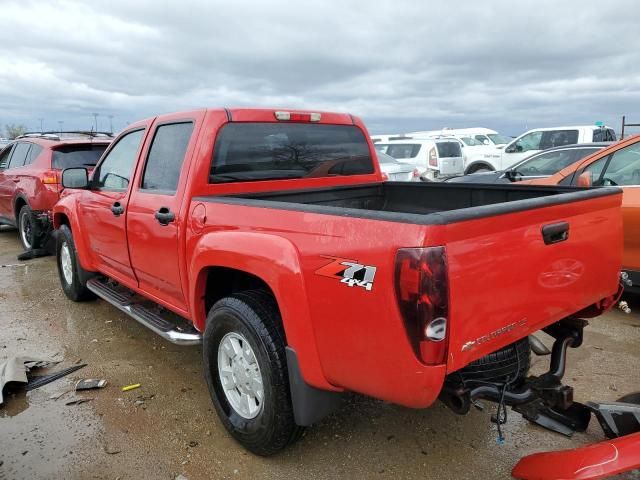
(70, 156)
(604, 135)
(403, 150)
(449, 149)
(269, 151)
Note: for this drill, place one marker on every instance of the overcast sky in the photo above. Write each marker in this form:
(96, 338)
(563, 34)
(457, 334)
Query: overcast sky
(401, 65)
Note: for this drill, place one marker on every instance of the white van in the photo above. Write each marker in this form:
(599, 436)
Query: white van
(434, 159)
(535, 141)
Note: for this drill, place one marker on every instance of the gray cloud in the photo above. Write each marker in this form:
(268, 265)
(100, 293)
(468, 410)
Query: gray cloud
(401, 65)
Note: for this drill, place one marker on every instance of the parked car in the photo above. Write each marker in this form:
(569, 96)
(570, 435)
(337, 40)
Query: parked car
(396, 171)
(301, 286)
(618, 165)
(537, 140)
(434, 158)
(540, 165)
(30, 170)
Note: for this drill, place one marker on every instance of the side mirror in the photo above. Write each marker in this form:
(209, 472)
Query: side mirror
(485, 142)
(584, 180)
(75, 178)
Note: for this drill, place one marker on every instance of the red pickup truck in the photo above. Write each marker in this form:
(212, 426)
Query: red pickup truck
(271, 237)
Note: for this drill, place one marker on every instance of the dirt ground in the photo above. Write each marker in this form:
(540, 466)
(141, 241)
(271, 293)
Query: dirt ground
(167, 427)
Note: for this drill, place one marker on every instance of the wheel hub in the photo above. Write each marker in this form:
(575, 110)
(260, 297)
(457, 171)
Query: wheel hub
(240, 375)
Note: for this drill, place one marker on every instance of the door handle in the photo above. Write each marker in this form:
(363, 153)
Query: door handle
(15, 180)
(555, 232)
(165, 216)
(117, 209)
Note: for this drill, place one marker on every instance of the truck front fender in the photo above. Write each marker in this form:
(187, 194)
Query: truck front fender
(275, 261)
(66, 208)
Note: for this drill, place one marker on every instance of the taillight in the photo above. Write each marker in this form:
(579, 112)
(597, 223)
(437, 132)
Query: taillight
(50, 177)
(433, 158)
(422, 292)
(416, 173)
(297, 117)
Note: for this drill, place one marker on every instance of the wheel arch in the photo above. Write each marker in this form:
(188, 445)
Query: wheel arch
(62, 215)
(19, 202)
(228, 262)
(479, 163)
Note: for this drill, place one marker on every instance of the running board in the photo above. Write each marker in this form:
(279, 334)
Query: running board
(167, 329)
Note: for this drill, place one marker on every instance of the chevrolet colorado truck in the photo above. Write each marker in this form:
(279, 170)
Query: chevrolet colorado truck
(271, 238)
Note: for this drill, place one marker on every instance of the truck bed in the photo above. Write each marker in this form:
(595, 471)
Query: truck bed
(418, 203)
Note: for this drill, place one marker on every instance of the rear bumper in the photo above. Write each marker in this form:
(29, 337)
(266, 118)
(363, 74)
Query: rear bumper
(600, 460)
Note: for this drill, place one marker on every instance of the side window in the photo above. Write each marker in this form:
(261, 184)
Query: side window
(33, 153)
(166, 156)
(482, 138)
(604, 135)
(595, 169)
(19, 155)
(530, 141)
(5, 155)
(624, 167)
(114, 173)
(404, 150)
(558, 138)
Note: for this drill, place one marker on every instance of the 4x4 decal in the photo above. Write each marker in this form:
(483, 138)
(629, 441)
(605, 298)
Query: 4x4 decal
(349, 272)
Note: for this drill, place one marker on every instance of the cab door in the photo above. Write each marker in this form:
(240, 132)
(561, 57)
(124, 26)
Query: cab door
(104, 207)
(156, 216)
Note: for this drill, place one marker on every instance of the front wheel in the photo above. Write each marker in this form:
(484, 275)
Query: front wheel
(480, 169)
(73, 277)
(246, 372)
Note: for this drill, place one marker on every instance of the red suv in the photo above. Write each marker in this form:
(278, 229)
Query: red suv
(30, 169)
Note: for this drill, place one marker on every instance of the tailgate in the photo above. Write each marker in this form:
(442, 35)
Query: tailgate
(507, 281)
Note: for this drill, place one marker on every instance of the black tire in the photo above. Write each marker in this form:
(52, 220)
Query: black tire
(33, 237)
(506, 364)
(75, 290)
(253, 315)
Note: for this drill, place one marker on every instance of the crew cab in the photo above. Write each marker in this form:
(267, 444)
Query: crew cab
(30, 170)
(270, 237)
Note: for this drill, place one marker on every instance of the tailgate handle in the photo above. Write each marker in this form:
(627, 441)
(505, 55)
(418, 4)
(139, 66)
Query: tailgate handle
(555, 232)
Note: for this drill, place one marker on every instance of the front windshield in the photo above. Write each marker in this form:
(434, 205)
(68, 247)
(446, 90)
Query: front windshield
(499, 139)
(549, 163)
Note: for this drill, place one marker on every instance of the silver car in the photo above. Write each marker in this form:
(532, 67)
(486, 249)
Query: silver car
(397, 171)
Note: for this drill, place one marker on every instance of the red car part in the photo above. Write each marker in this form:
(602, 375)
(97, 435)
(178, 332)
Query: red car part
(600, 460)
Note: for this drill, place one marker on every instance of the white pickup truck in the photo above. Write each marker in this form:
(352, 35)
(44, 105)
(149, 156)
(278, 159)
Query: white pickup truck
(535, 141)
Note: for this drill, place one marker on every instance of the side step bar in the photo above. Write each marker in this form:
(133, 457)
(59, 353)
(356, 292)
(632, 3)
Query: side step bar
(167, 329)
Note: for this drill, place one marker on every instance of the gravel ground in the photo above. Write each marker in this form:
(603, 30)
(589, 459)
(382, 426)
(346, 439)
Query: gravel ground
(167, 427)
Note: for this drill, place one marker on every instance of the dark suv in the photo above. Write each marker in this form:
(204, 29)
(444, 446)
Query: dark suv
(30, 168)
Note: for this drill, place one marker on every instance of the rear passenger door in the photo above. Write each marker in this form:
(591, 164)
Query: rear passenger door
(6, 186)
(155, 217)
(11, 177)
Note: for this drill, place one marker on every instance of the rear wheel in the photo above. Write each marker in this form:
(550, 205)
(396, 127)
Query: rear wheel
(28, 229)
(246, 371)
(73, 277)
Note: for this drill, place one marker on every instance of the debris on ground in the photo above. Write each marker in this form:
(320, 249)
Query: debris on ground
(90, 384)
(15, 369)
(78, 401)
(131, 387)
(39, 381)
(10, 265)
(33, 253)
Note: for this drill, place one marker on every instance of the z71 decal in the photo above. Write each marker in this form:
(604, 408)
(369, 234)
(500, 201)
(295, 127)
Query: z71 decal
(349, 272)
